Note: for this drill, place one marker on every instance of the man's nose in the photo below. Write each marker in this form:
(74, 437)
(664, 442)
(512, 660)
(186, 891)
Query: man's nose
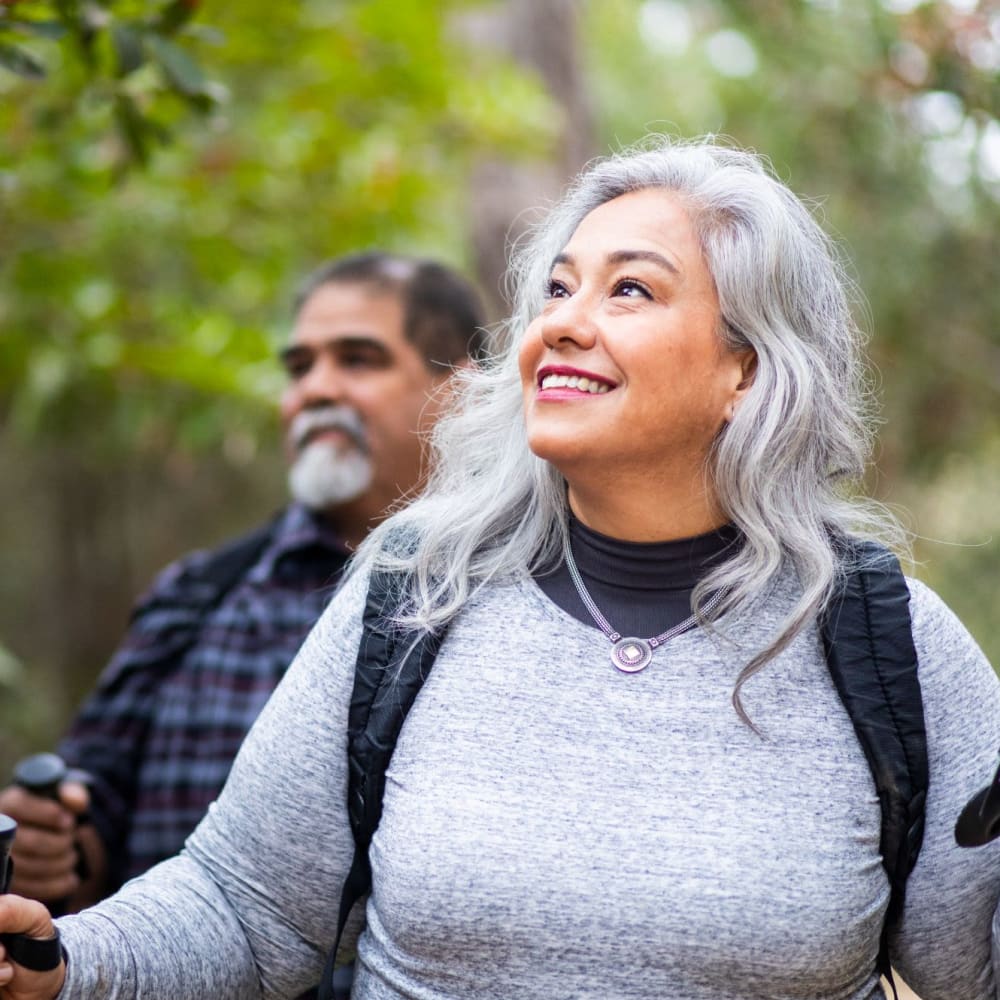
(325, 382)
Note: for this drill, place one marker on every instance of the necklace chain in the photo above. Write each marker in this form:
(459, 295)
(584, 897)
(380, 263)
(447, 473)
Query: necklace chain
(629, 654)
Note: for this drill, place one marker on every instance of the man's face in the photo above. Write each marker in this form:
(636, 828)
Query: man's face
(359, 397)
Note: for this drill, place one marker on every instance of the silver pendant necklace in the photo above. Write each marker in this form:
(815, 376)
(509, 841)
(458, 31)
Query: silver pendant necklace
(629, 654)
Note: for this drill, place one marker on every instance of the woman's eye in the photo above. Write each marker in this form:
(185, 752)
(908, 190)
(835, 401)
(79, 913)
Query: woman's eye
(632, 289)
(556, 290)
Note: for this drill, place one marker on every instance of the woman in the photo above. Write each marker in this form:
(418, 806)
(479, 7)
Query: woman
(670, 425)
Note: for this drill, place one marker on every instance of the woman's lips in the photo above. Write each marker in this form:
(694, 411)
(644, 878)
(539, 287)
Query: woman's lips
(564, 383)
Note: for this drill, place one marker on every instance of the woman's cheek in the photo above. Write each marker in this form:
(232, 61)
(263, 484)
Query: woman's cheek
(529, 352)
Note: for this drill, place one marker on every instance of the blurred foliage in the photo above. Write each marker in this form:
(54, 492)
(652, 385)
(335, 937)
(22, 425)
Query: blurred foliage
(147, 257)
(128, 60)
(347, 124)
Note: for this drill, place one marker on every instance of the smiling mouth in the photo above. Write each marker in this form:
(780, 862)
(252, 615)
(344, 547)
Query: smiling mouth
(579, 382)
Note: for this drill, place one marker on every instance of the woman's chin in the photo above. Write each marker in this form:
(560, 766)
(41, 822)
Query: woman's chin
(558, 448)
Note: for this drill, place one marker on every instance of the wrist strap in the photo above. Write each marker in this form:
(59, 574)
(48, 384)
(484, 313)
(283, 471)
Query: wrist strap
(36, 954)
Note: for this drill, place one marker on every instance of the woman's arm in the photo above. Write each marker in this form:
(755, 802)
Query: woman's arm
(943, 944)
(249, 908)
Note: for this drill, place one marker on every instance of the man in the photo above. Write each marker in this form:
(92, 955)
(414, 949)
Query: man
(375, 339)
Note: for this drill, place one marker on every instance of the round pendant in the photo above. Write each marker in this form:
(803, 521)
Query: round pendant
(631, 655)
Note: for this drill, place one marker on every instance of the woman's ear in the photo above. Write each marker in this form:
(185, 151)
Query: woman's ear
(748, 369)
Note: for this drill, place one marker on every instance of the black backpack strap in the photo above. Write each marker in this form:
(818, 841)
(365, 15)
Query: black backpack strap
(231, 562)
(869, 649)
(221, 571)
(391, 668)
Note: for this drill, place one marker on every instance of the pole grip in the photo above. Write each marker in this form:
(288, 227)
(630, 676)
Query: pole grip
(36, 954)
(41, 774)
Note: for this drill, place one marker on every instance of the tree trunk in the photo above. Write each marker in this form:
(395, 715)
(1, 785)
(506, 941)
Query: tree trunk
(543, 38)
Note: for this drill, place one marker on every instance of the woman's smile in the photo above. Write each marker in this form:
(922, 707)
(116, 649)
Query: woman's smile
(559, 382)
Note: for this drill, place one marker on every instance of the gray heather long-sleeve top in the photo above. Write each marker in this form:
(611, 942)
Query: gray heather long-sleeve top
(556, 829)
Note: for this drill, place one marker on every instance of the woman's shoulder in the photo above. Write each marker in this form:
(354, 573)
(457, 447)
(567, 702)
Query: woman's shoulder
(934, 623)
(951, 661)
(341, 618)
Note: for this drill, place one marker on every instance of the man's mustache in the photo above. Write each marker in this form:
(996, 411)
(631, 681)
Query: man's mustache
(327, 418)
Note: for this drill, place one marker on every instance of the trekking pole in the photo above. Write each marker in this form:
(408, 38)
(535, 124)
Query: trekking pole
(41, 774)
(36, 954)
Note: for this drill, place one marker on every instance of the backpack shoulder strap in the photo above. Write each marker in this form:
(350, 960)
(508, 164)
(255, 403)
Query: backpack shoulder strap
(391, 668)
(868, 639)
(229, 563)
(221, 570)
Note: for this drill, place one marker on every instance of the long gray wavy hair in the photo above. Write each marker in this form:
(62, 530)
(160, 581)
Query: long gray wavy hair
(783, 469)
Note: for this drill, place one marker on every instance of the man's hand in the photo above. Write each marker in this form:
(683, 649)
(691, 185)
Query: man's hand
(25, 916)
(45, 849)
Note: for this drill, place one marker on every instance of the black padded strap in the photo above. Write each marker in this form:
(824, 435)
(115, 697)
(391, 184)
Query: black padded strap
(356, 884)
(232, 560)
(36, 954)
(222, 570)
(391, 668)
(868, 638)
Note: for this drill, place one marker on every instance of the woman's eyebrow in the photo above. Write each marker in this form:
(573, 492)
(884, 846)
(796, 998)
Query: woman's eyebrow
(625, 257)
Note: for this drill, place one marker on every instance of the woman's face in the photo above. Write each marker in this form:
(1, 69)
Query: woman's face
(625, 378)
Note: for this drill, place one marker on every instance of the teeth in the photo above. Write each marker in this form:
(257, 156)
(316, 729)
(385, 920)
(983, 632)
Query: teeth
(579, 382)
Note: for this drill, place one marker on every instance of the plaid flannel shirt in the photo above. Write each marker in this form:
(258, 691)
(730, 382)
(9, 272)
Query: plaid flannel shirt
(161, 729)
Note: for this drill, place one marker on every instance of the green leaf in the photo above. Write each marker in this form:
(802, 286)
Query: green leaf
(175, 15)
(202, 103)
(182, 72)
(128, 48)
(132, 128)
(20, 62)
(53, 30)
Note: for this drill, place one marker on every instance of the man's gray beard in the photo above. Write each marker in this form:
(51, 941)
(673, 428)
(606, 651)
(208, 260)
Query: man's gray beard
(326, 474)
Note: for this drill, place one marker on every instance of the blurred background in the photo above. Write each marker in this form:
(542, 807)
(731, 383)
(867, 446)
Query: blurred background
(168, 170)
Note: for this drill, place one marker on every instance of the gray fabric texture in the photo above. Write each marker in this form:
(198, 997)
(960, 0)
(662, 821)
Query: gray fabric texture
(556, 829)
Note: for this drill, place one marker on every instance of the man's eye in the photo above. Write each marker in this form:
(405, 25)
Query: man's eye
(362, 359)
(296, 366)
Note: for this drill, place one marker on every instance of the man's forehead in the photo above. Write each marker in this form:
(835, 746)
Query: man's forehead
(344, 312)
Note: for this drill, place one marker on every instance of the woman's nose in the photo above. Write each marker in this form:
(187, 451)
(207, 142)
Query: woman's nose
(569, 322)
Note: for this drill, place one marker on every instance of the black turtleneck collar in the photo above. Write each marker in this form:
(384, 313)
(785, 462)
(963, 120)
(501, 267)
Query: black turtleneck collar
(642, 588)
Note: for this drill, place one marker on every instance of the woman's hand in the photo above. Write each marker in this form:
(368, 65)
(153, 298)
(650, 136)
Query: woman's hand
(25, 916)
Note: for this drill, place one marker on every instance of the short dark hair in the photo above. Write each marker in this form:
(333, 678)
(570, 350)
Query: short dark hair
(442, 312)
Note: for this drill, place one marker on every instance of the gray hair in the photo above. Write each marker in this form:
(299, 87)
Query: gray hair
(442, 314)
(783, 468)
